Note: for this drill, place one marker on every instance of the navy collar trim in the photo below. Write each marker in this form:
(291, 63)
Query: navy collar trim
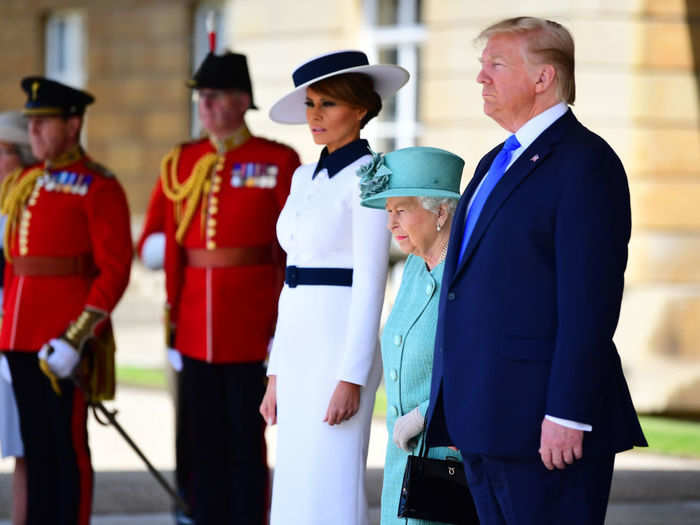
(336, 161)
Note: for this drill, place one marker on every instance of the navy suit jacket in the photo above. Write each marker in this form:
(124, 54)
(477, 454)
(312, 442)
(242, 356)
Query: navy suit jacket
(526, 320)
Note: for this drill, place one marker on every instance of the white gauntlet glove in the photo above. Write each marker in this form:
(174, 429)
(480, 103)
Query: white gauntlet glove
(153, 251)
(406, 427)
(62, 360)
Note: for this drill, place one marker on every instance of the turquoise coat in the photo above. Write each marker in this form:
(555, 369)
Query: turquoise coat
(407, 354)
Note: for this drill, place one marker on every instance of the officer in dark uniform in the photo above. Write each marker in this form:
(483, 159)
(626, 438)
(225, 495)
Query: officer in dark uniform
(68, 250)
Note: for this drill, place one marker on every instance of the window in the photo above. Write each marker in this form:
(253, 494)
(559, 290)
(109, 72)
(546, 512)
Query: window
(65, 48)
(200, 47)
(394, 34)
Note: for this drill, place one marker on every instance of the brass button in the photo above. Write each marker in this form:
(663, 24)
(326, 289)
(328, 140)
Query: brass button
(211, 245)
(211, 222)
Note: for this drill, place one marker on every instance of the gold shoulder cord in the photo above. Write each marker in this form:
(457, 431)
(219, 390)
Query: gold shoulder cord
(13, 196)
(190, 191)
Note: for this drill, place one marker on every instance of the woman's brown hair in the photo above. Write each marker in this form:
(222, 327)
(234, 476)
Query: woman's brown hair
(354, 89)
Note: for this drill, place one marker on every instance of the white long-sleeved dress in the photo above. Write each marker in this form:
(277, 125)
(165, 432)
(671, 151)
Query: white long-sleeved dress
(326, 334)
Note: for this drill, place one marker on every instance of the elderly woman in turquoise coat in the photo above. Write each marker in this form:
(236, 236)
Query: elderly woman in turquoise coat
(419, 188)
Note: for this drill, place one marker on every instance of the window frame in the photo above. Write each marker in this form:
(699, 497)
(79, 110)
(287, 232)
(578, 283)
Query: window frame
(407, 37)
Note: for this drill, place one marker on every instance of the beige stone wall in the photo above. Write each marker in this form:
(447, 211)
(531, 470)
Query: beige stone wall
(137, 60)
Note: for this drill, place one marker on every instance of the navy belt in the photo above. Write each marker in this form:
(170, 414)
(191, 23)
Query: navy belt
(295, 276)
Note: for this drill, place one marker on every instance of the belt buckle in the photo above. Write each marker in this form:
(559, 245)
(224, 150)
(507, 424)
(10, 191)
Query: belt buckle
(291, 276)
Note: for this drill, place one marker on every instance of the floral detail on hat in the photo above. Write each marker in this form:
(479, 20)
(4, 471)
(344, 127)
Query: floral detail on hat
(374, 176)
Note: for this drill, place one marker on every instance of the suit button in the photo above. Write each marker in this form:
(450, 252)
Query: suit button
(394, 411)
(397, 340)
(393, 375)
(451, 296)
(429, 289)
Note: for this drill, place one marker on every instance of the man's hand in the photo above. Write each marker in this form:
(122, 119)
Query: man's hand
(559, 445)
(64, 358)
(344, 403)
(268, 407)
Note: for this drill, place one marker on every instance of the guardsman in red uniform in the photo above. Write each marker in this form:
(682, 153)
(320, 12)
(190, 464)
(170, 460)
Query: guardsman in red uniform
(224, 272)
(68, 250)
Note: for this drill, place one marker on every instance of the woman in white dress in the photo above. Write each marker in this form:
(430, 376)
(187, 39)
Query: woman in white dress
(324, 366)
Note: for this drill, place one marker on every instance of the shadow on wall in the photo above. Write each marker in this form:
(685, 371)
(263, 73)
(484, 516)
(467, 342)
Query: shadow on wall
(692, 10)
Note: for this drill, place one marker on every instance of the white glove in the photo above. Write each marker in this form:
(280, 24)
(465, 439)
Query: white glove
(63, 359)
(175, 359)
(153, 251)
(406, 427)
(5, 369)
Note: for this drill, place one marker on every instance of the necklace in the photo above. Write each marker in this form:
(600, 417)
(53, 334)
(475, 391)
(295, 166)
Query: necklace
(443, 252)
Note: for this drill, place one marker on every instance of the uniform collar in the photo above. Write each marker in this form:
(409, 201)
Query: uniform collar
(336, 161)
(70, 156)
(240, 136)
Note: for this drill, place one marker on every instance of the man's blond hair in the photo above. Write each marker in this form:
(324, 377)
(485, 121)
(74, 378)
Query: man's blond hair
(547, 43)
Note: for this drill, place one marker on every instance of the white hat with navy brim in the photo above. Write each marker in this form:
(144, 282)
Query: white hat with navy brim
(290, 109)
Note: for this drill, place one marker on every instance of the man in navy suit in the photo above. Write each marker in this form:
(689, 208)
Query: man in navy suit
(527, 382)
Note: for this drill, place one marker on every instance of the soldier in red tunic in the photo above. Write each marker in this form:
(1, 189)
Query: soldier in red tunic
(224, 271)
(68, 250)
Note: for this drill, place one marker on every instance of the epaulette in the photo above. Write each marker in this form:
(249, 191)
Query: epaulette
(99, 168)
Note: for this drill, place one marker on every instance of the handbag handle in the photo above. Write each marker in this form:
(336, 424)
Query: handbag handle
(423, 451)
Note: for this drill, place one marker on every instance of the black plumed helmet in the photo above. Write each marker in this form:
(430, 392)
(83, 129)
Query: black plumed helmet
(227, 71)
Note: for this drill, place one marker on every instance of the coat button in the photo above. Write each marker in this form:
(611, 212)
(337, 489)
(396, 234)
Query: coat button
(397, 340)
(394, 411)
(451, 296)
(429, 289)
(393, 374)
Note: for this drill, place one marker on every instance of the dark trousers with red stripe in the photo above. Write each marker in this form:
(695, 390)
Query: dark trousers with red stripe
(231, 480)
(54, 431)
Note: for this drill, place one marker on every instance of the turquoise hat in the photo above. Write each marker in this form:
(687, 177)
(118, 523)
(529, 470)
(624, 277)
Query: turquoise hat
(410, 172)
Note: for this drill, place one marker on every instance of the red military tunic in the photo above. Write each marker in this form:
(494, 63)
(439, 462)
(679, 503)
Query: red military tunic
(76, 208)
(226, 314)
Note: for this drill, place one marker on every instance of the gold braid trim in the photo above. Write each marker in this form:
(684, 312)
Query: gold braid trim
(83, 328)
(188, 194)
(13, 196)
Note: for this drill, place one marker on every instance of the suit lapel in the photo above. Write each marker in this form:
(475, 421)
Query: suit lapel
(533, 157)
(457, 231)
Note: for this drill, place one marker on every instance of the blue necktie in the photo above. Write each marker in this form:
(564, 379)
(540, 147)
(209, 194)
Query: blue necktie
(496, 171)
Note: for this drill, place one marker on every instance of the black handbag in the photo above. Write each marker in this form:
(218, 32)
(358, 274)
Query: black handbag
(436, 490)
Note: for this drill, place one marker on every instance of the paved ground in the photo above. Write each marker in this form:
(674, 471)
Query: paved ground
(647, 489)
